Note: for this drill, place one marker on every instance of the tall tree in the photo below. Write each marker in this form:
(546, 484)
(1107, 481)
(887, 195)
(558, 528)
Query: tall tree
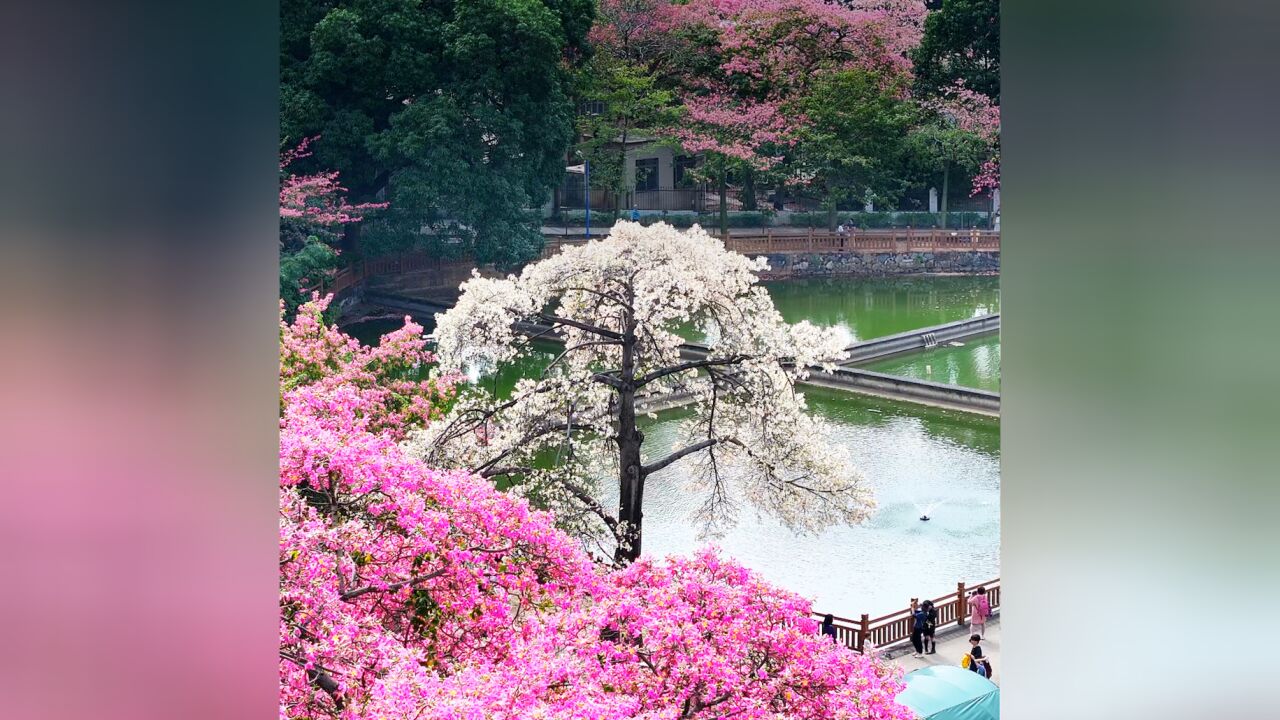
(455, 112)
(756, 58)
(853, 145)
(313, 212)
(958, 131)
(961, 43)
(614, 303)
(625, 104)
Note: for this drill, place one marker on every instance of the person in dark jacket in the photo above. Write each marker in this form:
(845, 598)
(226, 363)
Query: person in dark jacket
(930, 627)
(829, 626)
(919, 619)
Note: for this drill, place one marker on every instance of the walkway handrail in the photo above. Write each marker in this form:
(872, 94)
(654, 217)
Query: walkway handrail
(896, 626)
(890, 240)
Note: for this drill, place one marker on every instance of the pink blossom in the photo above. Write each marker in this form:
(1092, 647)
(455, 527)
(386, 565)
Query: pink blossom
(412, 592)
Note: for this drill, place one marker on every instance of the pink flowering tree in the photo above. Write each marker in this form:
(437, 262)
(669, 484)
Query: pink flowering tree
(313, 209)
(408, 592)
(390, 382)
(959, 130)
(756, 59)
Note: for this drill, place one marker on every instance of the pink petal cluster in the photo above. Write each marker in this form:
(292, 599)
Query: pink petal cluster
(768, 51)
(410, 592)
(316, 198)
(382, 387)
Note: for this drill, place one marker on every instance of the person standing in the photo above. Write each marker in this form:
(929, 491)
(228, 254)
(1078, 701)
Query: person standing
(635, 214)
(829, 626)
(919, 620)
(979, 611)
(930, 628)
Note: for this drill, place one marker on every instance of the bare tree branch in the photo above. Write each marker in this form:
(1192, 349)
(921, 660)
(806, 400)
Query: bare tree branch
(602, 332)
(353, 594)
(655, 467)
(691, 365)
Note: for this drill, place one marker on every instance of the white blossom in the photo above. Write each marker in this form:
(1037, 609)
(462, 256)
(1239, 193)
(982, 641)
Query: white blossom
(749, 437)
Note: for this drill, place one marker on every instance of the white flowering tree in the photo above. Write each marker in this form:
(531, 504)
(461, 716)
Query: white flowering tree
(615, 305)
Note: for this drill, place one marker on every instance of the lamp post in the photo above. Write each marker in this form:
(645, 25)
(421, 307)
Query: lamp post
(585, 169)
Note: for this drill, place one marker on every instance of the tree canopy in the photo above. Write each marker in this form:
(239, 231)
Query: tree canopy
(961, 43)
(615, 304)
(853, 147)
(457, 113)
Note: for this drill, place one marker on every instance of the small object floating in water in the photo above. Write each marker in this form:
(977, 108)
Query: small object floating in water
(924, 517)
(928, 369)
(956, 343)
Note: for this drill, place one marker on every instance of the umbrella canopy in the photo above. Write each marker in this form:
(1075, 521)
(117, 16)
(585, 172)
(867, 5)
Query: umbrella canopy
(947, 692)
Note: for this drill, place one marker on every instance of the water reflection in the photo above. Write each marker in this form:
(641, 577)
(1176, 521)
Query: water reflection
(975, 363)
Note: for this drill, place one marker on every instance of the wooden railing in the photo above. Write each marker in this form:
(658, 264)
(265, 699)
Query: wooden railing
(902, 241)
(895, 627)
(783, 240)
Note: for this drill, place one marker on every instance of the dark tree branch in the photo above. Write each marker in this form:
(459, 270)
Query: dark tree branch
(691, 365)
(655, 467)
(602, 332)
(353, 594)
(592, 504)
(579, 346)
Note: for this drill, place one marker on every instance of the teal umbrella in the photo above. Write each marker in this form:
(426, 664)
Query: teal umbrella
(947, 692)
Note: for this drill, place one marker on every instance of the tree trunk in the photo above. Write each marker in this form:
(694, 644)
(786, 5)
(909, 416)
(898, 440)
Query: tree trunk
(831, 209)
(749, 189)
(630, 475)
(351, 241)
(946, 174)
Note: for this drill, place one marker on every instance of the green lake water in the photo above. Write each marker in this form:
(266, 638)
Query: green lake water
(866, 308)
(916, 459)
(973, 363)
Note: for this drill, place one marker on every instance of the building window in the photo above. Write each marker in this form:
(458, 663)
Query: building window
(646, 174)
(591, 107)
(683, 166)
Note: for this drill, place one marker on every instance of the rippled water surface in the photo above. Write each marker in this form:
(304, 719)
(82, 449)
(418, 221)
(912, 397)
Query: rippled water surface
(973, 363)
(915, 459)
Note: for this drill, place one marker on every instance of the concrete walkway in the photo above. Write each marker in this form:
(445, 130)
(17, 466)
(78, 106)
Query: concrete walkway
(953, 643)
(552, 231)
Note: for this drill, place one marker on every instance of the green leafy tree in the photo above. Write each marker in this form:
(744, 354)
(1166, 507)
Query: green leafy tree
(457, 113)
(961, 43)
(854, 145)
(939, 145)
(626, 103)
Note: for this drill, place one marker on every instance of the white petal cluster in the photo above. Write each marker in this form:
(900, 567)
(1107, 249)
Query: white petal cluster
(762, 446)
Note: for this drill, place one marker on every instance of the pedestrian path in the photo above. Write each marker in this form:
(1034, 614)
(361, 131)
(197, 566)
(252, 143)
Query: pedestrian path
(953, 643)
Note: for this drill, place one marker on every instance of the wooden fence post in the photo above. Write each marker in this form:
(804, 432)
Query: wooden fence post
(961, 606)
(864, 630)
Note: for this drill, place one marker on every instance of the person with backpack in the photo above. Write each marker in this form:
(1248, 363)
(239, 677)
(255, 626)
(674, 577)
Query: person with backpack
(979, 611)
(930, 642)
(919, 620)
(975, 660)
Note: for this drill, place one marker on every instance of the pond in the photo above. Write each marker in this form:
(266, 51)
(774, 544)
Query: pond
(916, 459)
(974, 363)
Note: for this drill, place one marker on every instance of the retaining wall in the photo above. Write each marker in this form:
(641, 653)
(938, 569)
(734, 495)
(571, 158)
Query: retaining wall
(917, 340)
(786, 265)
